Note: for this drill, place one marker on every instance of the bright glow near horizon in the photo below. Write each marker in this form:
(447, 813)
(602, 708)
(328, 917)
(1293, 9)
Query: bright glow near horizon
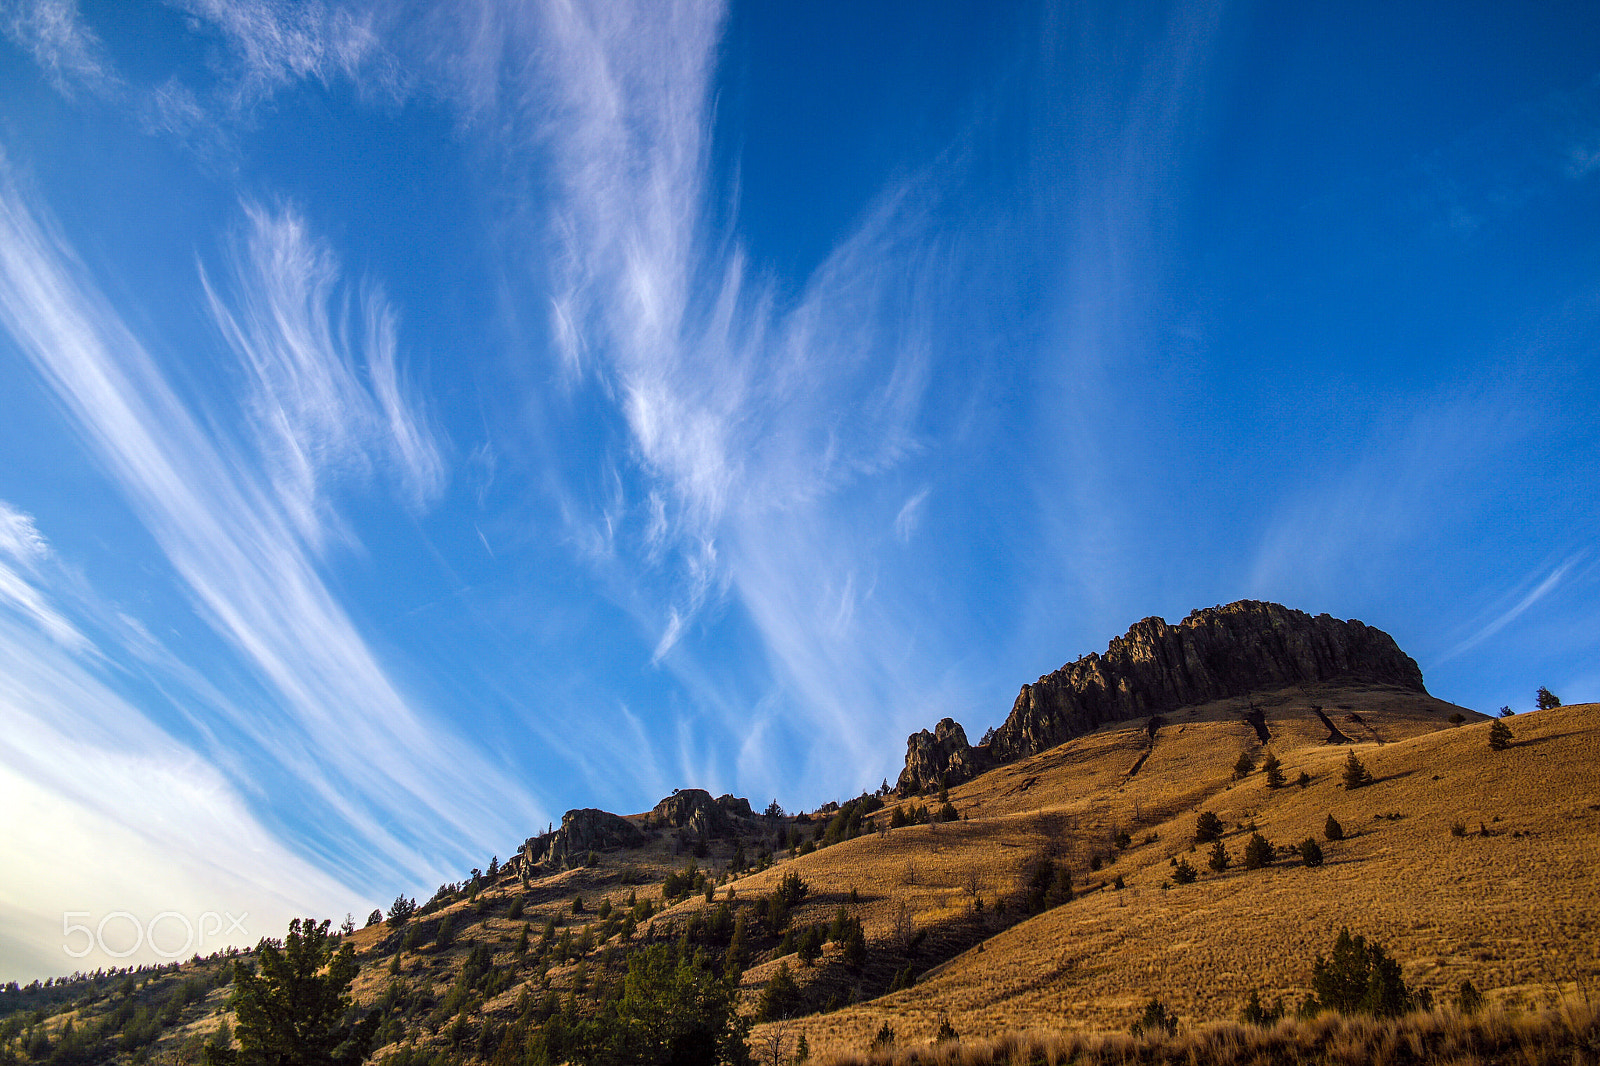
(423, 419)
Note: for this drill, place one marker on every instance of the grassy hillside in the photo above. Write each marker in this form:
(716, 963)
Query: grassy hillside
(1506, 900)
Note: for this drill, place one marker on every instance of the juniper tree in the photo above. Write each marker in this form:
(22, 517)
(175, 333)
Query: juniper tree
(1356, 774)
(1547, 699)
(1499, 736)
(1332, 829)
(1207, 827)
(1257, 852)
(1244, 766)
(293, 1010)
(1274, 770)
(1311, 852)
(1219, 859)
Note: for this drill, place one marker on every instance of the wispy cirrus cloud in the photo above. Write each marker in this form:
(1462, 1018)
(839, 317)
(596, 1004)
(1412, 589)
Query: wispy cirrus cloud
(1522, 599)
(67, 50)
(326, 397)
(274, 43)
(408, 785)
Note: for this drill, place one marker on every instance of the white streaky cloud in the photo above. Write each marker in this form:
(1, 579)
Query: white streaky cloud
(312, 415)
(413, 790)
(743, 412)
(277, 42)
(1539, 591)
(20, 537)
(109, 816)
(905, 522)
(54, 34)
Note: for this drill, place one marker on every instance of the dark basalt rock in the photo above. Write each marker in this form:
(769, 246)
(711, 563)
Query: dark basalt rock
(694, 810)
(1214, 653)
(581, 832)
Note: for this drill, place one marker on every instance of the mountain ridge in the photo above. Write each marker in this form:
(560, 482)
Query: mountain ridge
(1213, 653)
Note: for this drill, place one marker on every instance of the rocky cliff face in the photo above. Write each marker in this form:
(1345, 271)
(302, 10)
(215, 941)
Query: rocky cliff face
(694, 810)
(581, 832)
(1214, 653)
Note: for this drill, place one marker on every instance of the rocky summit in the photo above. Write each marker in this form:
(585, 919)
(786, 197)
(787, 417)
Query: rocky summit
(1214, 653)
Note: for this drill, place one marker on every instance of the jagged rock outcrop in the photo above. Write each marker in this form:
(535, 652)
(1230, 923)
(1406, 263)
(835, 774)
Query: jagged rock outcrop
(943, 754)
(693, 810)
(1214, 653)
(581, 832)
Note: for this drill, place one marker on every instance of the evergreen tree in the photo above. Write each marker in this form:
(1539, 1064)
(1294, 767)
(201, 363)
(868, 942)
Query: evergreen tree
(1332, 829)
(1244, 766)
(1499, 735)
(1257, 852)
(1355, 773)
(1547, 699)
(1274, 770)
(1183, 873)
(1360, 978)
(292, 1011)
(1219, 859)
(781, 997)
(1311, 852)
(1207, 827)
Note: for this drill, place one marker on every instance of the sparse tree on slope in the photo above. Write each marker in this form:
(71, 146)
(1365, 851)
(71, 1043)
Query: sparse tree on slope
(1547, 699)
(1499, 735)
(290, 1014)
(1274, 770)
(1356, 774)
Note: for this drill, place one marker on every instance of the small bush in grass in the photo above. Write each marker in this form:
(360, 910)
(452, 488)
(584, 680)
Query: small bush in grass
(884, 1040)
(1303, 780)
(1257, 852)
(1255, 1014)
(946, 1031)
(1468, 999)
(516, 908)
(1458, 829)
(1457, 718)
(1245, 766)
(1155, 1021)
(1499, 736)
(1183, 873)
(1311, 852)
(1332, 829)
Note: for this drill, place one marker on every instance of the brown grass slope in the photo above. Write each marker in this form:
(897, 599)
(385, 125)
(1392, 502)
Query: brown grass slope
(1511, 906)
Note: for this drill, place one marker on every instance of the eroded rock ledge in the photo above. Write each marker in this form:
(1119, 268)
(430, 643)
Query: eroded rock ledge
(1214, 653)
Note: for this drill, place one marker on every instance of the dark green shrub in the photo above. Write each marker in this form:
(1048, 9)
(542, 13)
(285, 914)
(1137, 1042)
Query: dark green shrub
(1499, 736)
(1183, 873)
(1207, 827)
(1332, 829)
(1255, 1014)
(1360, 978)
(885, 1038)
(1257, 852)
(1311, 852)
(1457, 718)
(1468, 999)
(1274, 770)
(1155, 1021)
(1244, 766)
(1219, 859)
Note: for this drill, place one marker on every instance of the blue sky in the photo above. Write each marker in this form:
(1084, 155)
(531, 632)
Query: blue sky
(424, 419)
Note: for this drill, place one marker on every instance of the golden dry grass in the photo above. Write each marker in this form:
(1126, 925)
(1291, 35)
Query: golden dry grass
(1568, 1035)
(1514, 911)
